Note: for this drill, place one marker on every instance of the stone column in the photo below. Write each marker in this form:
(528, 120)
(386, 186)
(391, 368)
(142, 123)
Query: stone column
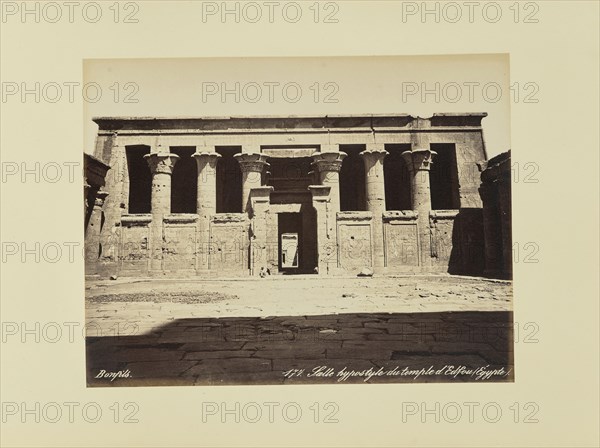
(92, 236)
(375, 188)
(252, 165)
(116, 204)
(260, 200)
(161, 166)
(419, 163)
(326, 241)
(328, 165)
(206, 201)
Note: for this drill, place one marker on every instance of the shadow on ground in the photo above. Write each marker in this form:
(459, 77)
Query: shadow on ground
(254, 350)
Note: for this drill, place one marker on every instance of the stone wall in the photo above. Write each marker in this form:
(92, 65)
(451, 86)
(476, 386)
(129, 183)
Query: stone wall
(331, 242)
(401, 237)
(495, 191)
(181, 245)
(228, 249)
(130, 249)
(457, 241)
(355, 241)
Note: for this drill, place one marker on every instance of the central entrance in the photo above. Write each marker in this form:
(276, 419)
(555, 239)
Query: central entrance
(291, 201)
(289, 229)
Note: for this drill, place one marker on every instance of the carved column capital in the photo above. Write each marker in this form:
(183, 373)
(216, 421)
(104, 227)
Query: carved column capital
(374, 153)
(328, 161)
(161, 162)
(419, 159)
(252, 162)
(206, 158)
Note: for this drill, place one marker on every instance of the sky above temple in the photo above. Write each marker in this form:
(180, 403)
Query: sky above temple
(416, 85)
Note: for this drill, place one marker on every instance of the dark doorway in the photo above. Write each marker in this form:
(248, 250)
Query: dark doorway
(397, 178)
(443, 178)
(140, 179)
(229, 180)
(184, 181)
(352, 180)
(291, 239)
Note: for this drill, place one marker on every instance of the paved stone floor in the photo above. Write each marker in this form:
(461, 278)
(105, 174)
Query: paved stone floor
(284, 330)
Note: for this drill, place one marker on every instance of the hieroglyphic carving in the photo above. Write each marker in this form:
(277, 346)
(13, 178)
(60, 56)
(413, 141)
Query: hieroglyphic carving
(179, 247)
(134, 253)
(401, 244)
(354, 242)
(228, 247)
(442, 230)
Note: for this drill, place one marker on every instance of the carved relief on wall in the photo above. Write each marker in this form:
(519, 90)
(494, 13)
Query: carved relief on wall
(401, 244)
(228, 247)
(179, 247)
(134, 248)
(354, 242)
(442, 228)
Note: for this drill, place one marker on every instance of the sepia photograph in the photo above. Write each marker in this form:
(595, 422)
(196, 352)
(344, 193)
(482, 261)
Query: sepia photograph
(318, 223)
(280, 249)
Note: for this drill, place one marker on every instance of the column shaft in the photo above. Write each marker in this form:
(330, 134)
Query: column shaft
(206, 201)
(326, 241)
(161, 166)
(373, 157)
(92, 236)
(260, 201)
(419, 163)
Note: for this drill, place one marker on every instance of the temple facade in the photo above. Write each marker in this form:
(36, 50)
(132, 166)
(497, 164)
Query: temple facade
(330, 195)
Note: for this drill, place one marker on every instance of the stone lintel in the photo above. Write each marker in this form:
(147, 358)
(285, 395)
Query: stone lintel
(400, 215)
(288, 152)
(283, 123)
(130, 220)
(285, 208)
(229, 217)
(354, 216)
(180, 218)
(443, 214)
